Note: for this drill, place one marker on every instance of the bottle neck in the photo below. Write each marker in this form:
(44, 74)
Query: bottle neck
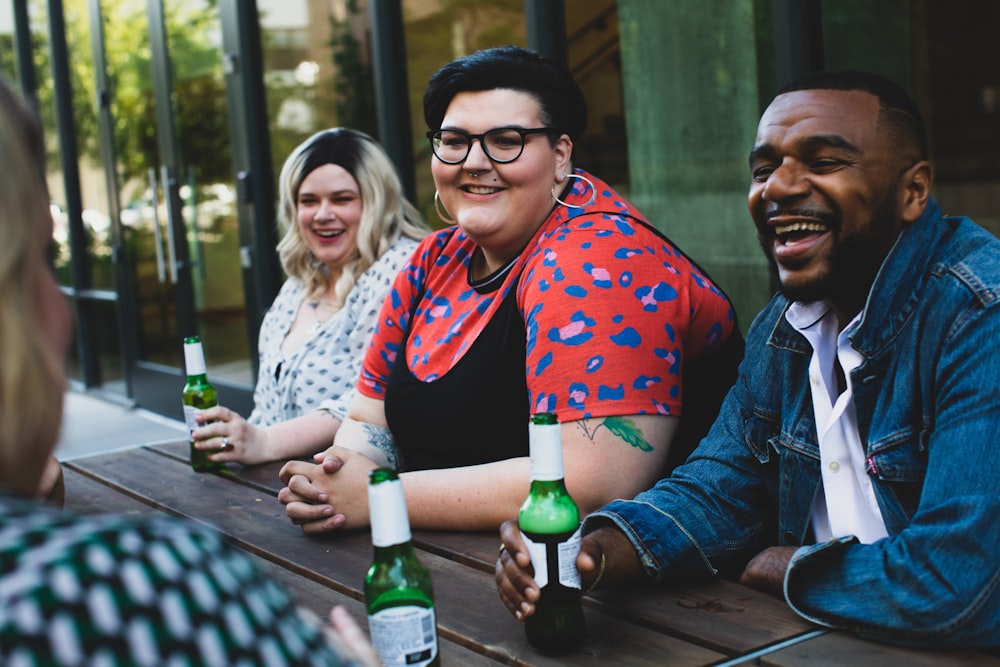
(387, 511)
(199, 378)
(393, 551)
(545, 448)
(541, 487)
(194, 359)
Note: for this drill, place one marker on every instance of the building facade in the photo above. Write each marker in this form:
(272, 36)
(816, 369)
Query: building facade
(168, 120)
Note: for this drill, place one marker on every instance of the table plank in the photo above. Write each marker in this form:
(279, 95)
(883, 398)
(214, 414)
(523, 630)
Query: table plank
(469, 612)
(320, 599)
(695, 624)
(839, 648)
(693, 612)
(85, 495)
(718, 614)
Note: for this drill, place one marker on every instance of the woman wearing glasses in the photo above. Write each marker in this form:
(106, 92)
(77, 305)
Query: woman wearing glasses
(550, 293)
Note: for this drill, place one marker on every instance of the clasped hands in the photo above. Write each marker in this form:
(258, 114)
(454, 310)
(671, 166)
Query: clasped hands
(328, 494)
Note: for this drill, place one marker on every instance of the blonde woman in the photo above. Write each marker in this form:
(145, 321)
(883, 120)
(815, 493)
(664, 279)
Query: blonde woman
(43, 548)
(348, 231)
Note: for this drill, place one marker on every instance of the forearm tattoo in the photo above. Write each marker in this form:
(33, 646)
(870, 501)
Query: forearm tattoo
(623, 427)
(381, 438)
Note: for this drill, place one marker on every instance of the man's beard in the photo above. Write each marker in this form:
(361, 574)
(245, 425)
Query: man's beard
(852, 263)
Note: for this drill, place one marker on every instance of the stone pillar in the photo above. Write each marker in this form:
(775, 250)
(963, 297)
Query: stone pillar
(690, 85)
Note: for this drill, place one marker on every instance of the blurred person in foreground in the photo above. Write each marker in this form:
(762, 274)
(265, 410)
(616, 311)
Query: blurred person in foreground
(549, 293)
(348, 231)
(852, 469)
(76, 589)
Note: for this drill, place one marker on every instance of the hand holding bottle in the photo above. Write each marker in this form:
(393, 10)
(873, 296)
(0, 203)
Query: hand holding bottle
(198, 395)
(515, 577)
(225, 435)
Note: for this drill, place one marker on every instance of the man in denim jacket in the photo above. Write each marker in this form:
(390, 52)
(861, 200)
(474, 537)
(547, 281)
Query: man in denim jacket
(853, 467)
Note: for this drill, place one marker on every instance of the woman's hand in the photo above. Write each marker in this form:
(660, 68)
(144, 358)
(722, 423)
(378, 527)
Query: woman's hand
(351, 639)
(231, 438)
(52, 484)
(328, 495)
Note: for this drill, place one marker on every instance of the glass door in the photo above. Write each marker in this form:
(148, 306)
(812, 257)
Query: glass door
(179, 202)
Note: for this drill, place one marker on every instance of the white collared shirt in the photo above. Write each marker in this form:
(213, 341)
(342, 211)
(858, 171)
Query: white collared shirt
(847, 505)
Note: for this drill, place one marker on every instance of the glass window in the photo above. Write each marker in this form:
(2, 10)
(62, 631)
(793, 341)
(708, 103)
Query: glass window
(957, 88)
(317, 70)
(8, 57)
(436, 34)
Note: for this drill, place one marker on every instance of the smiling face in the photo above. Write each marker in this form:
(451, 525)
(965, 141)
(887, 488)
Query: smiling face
(328, 209)
(504, 204)
(828, 194)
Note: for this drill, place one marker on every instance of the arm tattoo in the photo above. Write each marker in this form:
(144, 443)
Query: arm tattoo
(381, 438)
(622, 427)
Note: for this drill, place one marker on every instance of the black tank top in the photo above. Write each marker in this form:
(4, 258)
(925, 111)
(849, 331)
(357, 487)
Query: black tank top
(477, 412)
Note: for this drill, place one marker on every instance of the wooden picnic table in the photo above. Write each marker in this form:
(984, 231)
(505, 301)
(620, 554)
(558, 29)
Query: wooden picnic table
(702, 623)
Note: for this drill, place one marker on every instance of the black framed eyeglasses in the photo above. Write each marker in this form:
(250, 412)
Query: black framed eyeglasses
(501, 144)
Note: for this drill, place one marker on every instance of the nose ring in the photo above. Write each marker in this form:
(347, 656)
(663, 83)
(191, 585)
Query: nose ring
(473, 174)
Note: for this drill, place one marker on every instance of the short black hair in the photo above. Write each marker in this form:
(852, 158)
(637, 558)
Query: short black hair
(897, 109)
(514, 68)
(339, 145)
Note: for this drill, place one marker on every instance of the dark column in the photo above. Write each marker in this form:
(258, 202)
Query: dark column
(391, 94)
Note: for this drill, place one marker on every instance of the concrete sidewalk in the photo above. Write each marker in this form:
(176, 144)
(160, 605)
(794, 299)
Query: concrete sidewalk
(92, 425)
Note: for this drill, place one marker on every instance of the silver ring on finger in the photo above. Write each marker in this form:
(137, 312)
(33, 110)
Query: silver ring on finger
(226, 445)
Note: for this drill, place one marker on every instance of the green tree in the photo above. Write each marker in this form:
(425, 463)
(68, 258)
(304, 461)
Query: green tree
(354, 81)
(198, 94)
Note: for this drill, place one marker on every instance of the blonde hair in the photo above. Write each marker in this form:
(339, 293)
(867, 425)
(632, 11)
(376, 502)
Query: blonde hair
(32, 379)
(385, 217)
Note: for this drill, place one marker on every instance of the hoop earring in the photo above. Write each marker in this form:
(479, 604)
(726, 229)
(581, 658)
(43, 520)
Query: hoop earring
(593, 192)
(439, 208)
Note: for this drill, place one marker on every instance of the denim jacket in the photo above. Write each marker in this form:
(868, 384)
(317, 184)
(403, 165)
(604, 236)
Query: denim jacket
(927, 397)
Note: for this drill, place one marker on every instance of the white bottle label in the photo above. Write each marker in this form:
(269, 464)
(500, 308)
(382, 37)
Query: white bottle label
(189, 413)
(404, 636)
(194, 359)
(545, 450)
(387, 513)
(566, 553)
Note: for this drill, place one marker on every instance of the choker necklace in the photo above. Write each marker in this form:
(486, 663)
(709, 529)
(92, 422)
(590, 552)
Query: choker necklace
(318, 324)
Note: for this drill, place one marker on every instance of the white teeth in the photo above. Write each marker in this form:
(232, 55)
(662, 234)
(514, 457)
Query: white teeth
(480, 191)
(329, 234)
(800, 227)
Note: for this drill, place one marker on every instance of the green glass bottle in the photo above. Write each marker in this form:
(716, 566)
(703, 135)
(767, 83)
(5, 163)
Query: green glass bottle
(398, 591)
(199, 394)
(550, 527)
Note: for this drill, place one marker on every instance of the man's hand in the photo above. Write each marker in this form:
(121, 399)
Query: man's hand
(515, 577)
(766, 570)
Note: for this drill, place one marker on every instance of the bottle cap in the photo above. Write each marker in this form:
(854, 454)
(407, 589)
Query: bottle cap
(387, 510)
(194, 357)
